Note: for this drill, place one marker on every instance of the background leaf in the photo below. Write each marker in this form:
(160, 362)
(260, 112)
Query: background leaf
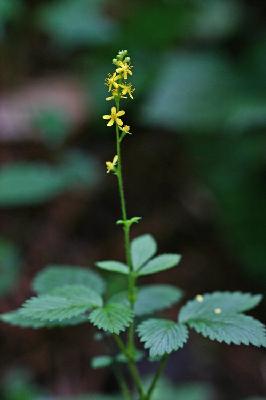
(54, 276)
(152, 298)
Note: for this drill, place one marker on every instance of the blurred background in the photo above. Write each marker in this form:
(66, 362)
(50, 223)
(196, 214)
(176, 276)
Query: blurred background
(198, 121)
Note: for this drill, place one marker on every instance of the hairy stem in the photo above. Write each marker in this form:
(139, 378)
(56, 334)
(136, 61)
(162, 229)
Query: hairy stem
(156, 377)
(131, 366)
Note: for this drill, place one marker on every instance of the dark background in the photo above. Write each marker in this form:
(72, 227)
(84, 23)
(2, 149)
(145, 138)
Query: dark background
(195, 170)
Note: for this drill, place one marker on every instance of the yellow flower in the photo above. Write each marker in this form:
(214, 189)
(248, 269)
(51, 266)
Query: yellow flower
(111, 81)
(110, 165)
(114, 117)
(127, 89)
(124, 69)
(126, 129)
(115, 93)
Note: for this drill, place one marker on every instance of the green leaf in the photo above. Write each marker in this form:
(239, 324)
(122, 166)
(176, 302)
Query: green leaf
(63, 303)
(54, 276)
(162, 336)
(152, 298)
(160, 263)
(17, 318)
(227, 302)
(237, 329)
(112, 318)
(101, 362)
(142, 249)
(114, 266)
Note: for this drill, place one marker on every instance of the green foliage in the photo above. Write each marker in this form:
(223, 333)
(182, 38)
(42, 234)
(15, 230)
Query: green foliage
(231, 329)
(101, 362)
(54, 276)
(112, 318)
(17, 318)
(160, 263)
(218, 317)
(153, 298)
(62, 303)
(22, 184)
(150, 298)
(142, 249)
(76, 23)
(113, 266)
(10, 263)
(188, 391)
(162, 336)
(228, 302)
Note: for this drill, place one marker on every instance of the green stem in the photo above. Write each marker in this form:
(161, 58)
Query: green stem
(156, 377)
(126, 228)
(122, 383)
(131, 366)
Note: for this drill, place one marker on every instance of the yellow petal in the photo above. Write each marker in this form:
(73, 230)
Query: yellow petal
(111, 122)
(106, 116)
(120, 113)
(119, 121)
(113, 110)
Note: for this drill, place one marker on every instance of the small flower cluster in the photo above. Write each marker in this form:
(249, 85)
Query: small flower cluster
(119, 88)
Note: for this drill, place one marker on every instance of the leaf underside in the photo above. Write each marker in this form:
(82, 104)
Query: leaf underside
(142, 249)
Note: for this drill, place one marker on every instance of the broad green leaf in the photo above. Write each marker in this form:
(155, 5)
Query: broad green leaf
(162, 336)
(28, 183)
(54, 276)
(237, 329)
(101, 362)
(227, 302)
(63, 303)
(17, 318)
(112, 318)
(114, 266)
(152, 298)
(160, 263)
(142, 249)
(74, 23)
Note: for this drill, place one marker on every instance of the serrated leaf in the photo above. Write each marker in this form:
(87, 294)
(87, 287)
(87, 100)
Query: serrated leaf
(152, 298)
(227, 302)
(101, 362)
(54, 276)
(162, 336)
(17, 318)
(112, 318)
(142, 249)
(160, 263)
(114, 266)
(63, 303)
(237, 329)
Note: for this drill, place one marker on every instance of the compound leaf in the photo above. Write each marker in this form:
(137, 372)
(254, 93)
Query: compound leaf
(142, 249)
(17, 318)
(160, 263)
(152, 298)
(54, 276)
(162, 336)
(112, 318)
(62, 303)
(114, 266)
(227, 302)
(237, 329)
